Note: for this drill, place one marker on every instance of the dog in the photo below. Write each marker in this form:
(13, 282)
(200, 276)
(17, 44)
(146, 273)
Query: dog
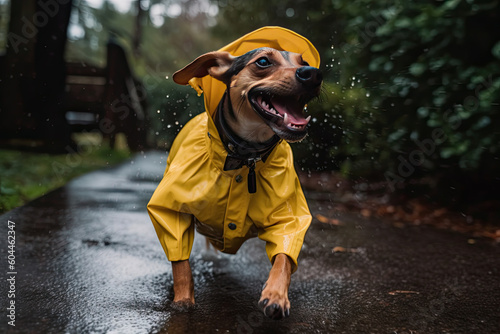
(230, 172)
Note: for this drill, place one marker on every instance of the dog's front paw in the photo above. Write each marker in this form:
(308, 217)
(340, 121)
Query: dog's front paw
(183, 305)
(274, 302)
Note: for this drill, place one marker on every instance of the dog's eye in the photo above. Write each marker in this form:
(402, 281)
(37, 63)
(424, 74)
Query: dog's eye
(263, 62)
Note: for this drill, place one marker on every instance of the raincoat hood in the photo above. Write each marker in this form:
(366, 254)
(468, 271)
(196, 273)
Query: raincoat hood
(277, 38)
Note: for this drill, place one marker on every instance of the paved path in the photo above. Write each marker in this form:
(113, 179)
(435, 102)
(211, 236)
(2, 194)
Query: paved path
(88, 261)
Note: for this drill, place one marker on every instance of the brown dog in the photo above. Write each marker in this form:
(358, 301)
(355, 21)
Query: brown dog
(267, 91)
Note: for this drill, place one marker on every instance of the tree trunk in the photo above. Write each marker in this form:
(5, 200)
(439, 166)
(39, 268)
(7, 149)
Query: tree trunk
(17, 69)
(139, 21)
(51, 73)
(33, 77)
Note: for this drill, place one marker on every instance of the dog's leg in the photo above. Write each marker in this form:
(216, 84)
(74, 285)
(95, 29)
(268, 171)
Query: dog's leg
(274, 299)
(183, 282)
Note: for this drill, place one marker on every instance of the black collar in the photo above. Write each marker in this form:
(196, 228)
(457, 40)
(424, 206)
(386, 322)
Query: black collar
(241, 152)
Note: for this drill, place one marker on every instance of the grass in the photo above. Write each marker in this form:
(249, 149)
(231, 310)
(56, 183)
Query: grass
(25, 175)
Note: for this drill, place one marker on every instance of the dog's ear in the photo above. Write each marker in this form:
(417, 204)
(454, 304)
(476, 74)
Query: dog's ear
(214, 63)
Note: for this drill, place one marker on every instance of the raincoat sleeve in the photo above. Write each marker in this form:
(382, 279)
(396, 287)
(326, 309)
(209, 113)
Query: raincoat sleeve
(286, 237)
(174, 229)
(285, 224)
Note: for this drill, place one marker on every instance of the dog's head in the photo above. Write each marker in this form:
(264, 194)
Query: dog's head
(269, 90)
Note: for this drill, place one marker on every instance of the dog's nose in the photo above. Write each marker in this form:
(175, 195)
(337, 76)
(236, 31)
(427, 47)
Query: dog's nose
(309, 76)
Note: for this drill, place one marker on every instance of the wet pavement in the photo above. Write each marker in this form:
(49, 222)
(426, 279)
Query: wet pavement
(87, 260)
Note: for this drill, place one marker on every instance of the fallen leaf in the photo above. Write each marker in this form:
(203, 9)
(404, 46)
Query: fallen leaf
(340, 249)
(439, 212)
(326, 220)
(366, 213)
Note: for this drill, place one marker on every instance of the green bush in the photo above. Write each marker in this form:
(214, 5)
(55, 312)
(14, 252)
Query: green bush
(172, 106)
(430, 90)
(432, 69)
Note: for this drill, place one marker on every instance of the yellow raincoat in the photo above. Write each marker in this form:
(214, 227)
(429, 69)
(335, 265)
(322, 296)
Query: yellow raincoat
(195, 188)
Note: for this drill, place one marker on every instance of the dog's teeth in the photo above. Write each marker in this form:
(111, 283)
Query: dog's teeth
(286, 119)
(308, 118)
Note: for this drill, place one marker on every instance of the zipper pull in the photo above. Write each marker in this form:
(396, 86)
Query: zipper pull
(252, 179)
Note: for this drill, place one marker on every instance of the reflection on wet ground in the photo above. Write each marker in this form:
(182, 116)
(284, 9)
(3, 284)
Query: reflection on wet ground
(88, 260)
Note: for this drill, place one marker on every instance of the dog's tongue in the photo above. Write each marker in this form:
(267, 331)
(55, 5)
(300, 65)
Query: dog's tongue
(292, 109)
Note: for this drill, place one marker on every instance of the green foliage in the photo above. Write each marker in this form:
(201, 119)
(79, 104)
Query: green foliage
(399, 75)
(440, 76)
(25, 176)
(163, 48)
(175, 106)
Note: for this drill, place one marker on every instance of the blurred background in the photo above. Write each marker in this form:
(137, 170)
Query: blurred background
(409, 111)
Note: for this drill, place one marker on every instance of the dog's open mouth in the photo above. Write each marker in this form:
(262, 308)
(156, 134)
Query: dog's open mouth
(283, 114)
